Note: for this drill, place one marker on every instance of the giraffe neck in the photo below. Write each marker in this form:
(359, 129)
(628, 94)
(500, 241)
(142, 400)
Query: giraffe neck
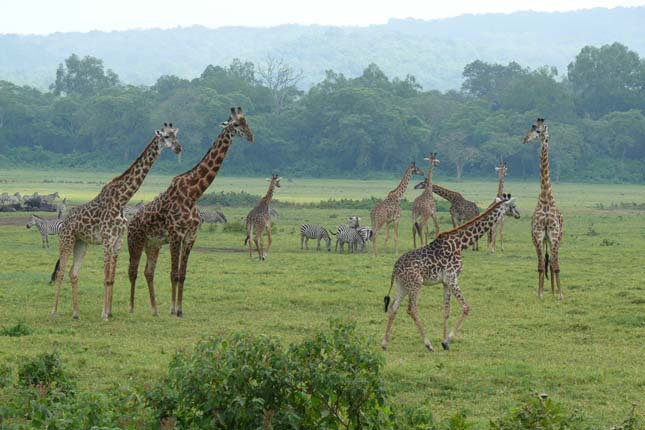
(546, 193)
(268, 196)
(123, 187)
(465, 235)
(428, 189)
(451, 196)
(199, 178)
(500, 186)
(399, 191)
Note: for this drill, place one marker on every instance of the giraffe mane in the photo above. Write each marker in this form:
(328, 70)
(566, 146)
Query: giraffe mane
(472, 221)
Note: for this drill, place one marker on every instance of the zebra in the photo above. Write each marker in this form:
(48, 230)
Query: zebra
(211, 218)
(367, 234)
(310, 231)
(273, 213)
(49, 198)
(45, 227)
(351, 236)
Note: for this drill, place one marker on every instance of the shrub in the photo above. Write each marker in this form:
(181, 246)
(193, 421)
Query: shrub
(17, 330)
(46, 373)
(234, 227)
(538, 412)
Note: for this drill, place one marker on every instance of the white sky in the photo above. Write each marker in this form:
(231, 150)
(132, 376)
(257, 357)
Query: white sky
(48, 16)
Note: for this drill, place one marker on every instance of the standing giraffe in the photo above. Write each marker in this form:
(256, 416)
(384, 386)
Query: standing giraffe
(547, 221)
(461, 210)
(492, 235)
(440, 261)
(101, 221)
(259, 219)
(172, 217)
(425, 207)
(388, 211)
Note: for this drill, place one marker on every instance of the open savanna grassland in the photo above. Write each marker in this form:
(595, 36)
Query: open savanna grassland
(585, 351)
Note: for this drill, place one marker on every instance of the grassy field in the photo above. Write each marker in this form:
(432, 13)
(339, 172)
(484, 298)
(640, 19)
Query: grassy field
(585, 351)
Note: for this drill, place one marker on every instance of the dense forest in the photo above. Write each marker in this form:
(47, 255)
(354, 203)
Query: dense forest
(362, 126)
(434, 51)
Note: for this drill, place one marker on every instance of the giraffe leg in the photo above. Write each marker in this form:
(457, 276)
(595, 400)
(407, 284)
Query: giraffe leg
(538, 242)
(374, 247)
(64, 254)
(501, 235)
(387, 237)
(492, 238)
(555, 262)
(414, 232)
(135, 249)
(269, 241)
(116, 248)
(436, 225)
(185, 253)
(107, 262)
(414, 314)
(396, 237)
(465, 310)
(426, 233)
(152, 254)
(80, 249)
(175, 251)
(398, 298)
(446, 308)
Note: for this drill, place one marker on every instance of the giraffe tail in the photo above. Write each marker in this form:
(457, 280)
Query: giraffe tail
(386, 299)
(55, 272)
(546, 264)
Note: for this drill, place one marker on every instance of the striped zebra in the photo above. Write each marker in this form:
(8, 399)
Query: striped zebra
(350, 236)
(211, 217)
(367, 234)
(310, 231)
(46, 227)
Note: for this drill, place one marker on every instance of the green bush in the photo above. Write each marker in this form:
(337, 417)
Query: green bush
(17, 330)
(46, 373)
(330, 382)
(234, 227)
(538, 412)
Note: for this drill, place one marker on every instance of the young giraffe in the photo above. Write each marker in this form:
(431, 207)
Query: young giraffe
(547, 221)
(388, 211)
(492, 235)
(101, 221)
(424, 207)
(259, 219)
(440, 261)
(172, 217)
(461, 210)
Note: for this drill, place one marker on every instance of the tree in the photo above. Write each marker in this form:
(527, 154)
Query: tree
(282, 80)
(85, 77)
(607, 79)
(489, 80)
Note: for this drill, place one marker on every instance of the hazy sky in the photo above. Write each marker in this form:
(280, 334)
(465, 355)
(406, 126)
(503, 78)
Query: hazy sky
(47, 16)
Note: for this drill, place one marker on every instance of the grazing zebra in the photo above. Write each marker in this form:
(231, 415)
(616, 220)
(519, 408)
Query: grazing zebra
(28, 198)
(49, 198)
(209, 217)
(45, 227)
(310, 231)
(367, 234)
(351, 236)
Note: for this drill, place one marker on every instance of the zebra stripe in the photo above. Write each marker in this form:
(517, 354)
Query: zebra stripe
(351, 236)
(46, 227)
(310, 231)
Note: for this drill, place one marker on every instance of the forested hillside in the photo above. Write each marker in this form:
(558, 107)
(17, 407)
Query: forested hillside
(358, 127)
(435, 52)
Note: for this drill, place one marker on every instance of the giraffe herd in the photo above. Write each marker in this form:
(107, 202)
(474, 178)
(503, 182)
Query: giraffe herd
(173, 218)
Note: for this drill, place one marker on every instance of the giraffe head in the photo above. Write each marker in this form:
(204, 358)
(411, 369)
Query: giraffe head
(538, 131)
(275, 180)
(415, 170)
(237, 125)
(168, 137)
(432, 159)
(501, 169)
(421, 185)
(509, 205)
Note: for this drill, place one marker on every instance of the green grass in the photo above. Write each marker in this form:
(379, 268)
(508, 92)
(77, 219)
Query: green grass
(585, 351)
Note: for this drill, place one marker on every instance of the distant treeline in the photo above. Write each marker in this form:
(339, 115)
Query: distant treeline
(366, 126)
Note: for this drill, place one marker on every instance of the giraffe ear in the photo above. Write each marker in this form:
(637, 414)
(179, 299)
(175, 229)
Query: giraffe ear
(426, 159)
(224, 124)
(157, 133)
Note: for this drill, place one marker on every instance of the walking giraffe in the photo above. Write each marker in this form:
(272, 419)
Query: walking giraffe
(492, 235)
(172, 217)
(388, 211)
(461, 210)
(425, 207)
(259, 219)
(101, 221)
(440, 261)
(547, 221)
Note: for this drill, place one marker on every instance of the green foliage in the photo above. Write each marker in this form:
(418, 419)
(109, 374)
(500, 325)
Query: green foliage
(538, 412)
(16, 330)
(46, 373)
(84, 77)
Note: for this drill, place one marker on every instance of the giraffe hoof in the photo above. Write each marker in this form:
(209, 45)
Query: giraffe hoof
(430, 348)
(155, 314)
(445, 345)
(76, 317)
(180, 314)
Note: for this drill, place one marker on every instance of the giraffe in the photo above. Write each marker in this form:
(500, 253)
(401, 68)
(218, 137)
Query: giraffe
(440, 261)
(547, 221)
(425, 207)
(259, 219)
(461, 210)
(173, 218)
(388, 211)
(101, 221)
(501, 170)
